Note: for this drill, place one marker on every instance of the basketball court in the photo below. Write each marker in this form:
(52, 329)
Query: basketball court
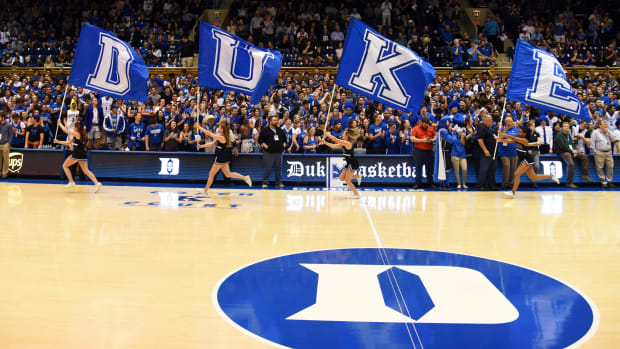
(141, 267)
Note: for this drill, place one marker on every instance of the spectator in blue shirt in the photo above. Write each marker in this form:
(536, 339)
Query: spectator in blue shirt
(376, 136)
(392, 139)
(457, 54)
(136, 133)
(508, 152)
(154, 136)
(492, 31)
(472, 54)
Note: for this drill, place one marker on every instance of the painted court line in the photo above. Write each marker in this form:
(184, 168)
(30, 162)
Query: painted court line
(399, 297)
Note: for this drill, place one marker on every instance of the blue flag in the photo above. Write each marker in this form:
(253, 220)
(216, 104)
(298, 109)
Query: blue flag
(108, 65)
(538, 79)
(227, 62)
(383, 70)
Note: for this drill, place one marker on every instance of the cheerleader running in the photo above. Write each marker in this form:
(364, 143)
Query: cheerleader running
(79, 154)
(526, 142)
(223, 153)
(352, 164)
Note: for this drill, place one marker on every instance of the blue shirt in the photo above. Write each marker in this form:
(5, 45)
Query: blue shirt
(458, 149)
(406, 147)
(473, 55)
(457, 58)
(156, 134)
(310, 142)
(136, 130)
(392, 142)
(375, 130)
(508, 149)
(491, 28)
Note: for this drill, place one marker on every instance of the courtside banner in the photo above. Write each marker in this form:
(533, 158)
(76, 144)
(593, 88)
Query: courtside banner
(319, 169)
(35, 163)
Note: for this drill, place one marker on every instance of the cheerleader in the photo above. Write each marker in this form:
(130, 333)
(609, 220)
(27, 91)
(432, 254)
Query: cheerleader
(526, 142)
(223, 153)
(352, 164)
(79, 154)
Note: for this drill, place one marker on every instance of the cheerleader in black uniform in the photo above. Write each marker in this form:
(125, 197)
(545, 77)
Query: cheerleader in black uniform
(527, 141)
(223, 153)
(79, 154)
(352, 165)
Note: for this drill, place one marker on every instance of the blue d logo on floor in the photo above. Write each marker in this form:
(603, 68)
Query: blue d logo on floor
(351, 298)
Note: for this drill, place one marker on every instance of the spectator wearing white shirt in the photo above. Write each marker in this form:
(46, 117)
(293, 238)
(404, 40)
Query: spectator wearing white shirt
(386, 13)
(612, 115)
(545, 133)
(106, 105)
(601, 145)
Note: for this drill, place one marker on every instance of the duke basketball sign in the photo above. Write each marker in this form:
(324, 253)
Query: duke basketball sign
(108, 65)
(353, 298)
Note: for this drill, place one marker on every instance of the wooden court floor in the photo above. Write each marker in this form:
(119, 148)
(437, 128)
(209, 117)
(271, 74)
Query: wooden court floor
(135, 267)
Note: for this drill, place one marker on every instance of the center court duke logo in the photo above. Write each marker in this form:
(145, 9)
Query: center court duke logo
(336, 298)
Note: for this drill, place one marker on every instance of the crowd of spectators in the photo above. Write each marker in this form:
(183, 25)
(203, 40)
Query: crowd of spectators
(308, 34)
(44, 33)
(170, 118)
(311, 33)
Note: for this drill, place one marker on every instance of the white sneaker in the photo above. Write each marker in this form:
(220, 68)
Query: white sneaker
(98, 187)
(70, 184)
(458, 186)
(555, 179)
(355, 196)
(248, 180)
(509, 195)
(465, 186)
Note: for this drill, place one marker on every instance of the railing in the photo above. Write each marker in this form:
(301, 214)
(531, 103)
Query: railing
(441, 71)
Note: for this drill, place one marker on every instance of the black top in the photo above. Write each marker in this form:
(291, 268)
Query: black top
(349, 158)
(488, 136)
(171, 144)
(223, 153)
(79, 150)
(275, 141)
(35, 132)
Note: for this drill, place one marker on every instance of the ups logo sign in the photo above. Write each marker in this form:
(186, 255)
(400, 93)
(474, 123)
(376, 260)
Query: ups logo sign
(16, 160)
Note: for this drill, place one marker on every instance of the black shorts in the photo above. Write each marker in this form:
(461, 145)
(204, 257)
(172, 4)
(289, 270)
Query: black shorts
(527, 157)
(223, 158)
(353, 165)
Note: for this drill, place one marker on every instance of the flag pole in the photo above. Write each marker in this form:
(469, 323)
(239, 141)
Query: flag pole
(197, 103)
(60, 112)
(330, 107)
(499, 127)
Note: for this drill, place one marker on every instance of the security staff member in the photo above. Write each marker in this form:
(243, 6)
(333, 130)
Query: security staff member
(6, 135)
(272, 139)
